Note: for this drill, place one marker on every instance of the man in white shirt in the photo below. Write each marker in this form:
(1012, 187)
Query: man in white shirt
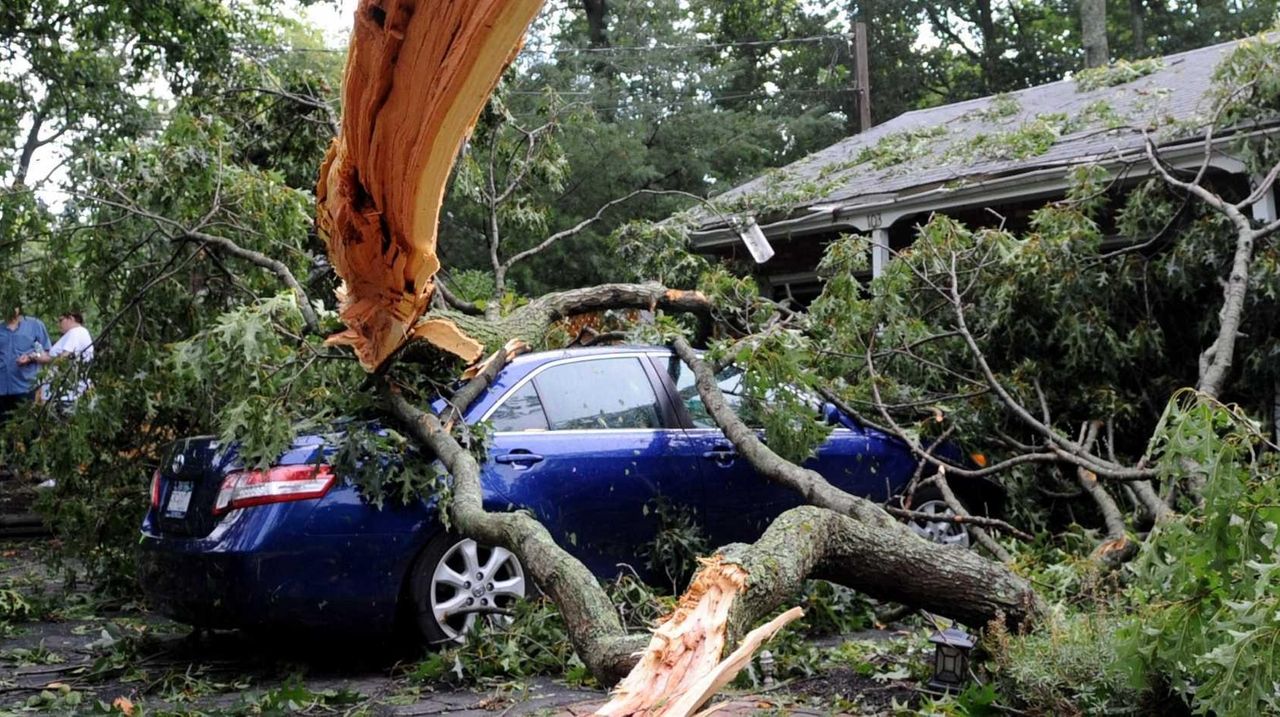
(75, 347)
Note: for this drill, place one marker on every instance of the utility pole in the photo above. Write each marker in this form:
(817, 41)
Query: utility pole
(861, 76)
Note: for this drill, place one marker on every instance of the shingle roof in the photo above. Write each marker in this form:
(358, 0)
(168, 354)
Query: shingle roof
(1062, 123)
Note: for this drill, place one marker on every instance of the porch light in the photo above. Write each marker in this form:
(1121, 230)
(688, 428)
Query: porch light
(950, 659)
(757, 244)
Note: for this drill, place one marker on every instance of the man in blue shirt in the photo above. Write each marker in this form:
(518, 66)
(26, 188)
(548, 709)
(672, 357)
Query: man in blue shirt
(23, 340)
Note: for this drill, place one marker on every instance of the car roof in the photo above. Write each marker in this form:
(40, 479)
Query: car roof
(538, 357)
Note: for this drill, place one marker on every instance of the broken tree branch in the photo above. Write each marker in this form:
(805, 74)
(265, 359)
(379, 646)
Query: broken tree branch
(892, 541)
(598, 635)
(176, 231)
(982, 536)
(1116, 548)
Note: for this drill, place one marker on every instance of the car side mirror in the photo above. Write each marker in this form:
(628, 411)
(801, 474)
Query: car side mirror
(836, 417)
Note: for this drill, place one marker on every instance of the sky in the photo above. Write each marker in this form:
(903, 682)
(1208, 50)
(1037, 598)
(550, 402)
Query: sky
(332, 18)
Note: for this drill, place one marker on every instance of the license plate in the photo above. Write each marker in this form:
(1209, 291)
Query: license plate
(179, 500)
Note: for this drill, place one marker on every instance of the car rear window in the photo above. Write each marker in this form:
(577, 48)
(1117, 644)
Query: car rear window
(521, 411)
(608, 393)
(730, 381)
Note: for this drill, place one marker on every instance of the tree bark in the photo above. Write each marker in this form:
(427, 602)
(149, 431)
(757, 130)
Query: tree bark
(1138, 26)
(418, 74)
(1116, 548)
(979, 590)
(597, 12)
(745, 583)
(531, 322)
(1093, 25)
(598, 636)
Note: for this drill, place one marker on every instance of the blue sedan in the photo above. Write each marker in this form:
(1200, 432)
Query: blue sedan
(586, 439)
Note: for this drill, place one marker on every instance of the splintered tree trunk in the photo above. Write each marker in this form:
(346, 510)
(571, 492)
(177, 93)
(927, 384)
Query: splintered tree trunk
(745, 583)
(418, 74)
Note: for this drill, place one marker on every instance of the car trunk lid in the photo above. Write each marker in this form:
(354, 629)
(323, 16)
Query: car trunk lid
(190, 476)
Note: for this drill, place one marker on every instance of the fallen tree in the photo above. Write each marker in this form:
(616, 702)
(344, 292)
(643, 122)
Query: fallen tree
(422, 83)
(842, 538)
(378, 216)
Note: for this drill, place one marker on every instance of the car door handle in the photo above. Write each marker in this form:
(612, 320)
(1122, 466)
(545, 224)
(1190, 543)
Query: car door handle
(519, 458)
(721, 453)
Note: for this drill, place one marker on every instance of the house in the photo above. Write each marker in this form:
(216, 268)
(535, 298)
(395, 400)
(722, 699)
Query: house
(988, 161)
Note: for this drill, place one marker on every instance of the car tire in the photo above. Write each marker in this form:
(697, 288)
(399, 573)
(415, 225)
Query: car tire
(456, 582)
(942, 531)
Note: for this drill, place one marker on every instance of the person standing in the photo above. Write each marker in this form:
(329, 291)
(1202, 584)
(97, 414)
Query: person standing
(23, 342)
(74, 346)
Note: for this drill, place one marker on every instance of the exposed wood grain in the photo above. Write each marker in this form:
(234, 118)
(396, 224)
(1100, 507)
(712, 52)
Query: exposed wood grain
(418, 74)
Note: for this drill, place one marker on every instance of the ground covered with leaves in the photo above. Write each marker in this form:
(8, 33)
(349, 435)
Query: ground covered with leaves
(64, 651)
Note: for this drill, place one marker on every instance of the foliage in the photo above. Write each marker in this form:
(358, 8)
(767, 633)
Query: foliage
(14, 606)
(249, 376)
(1207, 586)
(1117, 73)
(293, 697)
(1029, 140)
(535, 642)
(1247, 91)
(1001, 106)
(1068, 666)
(678, 544)
(386, 466)
(900, 147)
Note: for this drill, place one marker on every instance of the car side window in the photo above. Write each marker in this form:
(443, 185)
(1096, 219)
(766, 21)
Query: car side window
(730, 381)
(521, 411)
(599, 394)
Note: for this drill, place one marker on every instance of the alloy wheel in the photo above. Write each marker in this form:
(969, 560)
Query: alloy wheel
(473, 581)
(943, 530)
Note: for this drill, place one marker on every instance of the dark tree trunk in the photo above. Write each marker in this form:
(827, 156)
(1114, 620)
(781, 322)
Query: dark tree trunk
(991, 46)
(1138, 26)
(597, 12)
(1093, 25)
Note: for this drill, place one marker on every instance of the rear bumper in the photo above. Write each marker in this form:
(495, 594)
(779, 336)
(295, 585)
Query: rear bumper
(256, 570)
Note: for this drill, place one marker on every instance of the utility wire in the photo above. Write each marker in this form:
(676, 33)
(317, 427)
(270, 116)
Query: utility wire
(640, 49)
(694, 46)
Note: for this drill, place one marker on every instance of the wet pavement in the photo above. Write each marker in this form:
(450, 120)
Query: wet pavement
(68, 653)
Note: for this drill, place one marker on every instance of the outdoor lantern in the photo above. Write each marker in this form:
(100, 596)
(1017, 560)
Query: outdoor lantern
(950, 659)
(766, 668)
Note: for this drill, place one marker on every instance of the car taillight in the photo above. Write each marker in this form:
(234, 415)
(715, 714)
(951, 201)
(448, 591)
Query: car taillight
(274, 485)
(155, 490)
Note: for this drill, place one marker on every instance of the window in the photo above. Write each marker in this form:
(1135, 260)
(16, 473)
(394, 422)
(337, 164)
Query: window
(730, 380)
(521, 411)
(603, 394)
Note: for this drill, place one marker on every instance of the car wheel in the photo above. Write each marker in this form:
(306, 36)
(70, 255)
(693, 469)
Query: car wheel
(942, 529)
(457, 581)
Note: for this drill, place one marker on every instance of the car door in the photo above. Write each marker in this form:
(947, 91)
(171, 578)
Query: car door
(743, 503)
(740, 502)
(588, 445)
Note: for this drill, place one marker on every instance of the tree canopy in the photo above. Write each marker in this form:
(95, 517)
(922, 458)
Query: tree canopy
(181, 142)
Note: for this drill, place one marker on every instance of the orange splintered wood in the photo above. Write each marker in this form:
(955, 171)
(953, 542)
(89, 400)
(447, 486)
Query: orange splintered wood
(681, 668)
(418, 74)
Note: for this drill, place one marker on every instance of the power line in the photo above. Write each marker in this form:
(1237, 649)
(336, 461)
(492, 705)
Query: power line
(673, 103)
(695, 46)
(639, 49)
